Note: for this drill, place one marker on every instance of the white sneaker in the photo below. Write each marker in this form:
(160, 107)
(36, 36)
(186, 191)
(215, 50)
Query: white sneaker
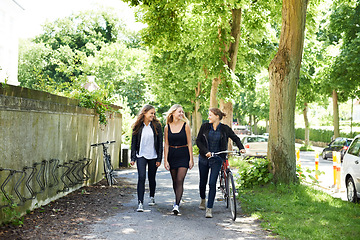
(152, 201)
(208, 213)
(176, 210)
(140, 207)
(202, 204)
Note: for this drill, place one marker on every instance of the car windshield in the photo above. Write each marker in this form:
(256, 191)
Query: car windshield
(355, 147)
(339, 142)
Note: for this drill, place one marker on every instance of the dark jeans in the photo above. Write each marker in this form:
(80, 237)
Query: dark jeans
(141, 168)
(213, 164)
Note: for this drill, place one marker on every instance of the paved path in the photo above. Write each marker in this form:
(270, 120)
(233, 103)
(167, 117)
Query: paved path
(158, 222)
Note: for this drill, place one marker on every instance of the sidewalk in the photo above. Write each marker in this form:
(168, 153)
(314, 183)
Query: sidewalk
(158, 222)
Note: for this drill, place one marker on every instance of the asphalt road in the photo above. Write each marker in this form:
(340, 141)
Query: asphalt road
(307, 160)
(158, 222)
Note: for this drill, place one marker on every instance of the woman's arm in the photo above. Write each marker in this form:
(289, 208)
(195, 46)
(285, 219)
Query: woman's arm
(159, 151)
(188, 136)
(201, 142)
(133, 149)
(236, 140)
(166, 148)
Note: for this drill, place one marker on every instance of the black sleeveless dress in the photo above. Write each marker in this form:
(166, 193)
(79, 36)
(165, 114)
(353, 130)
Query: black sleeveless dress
(178, 155)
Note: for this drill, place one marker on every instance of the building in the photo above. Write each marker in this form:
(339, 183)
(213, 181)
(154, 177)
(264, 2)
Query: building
(10, 13)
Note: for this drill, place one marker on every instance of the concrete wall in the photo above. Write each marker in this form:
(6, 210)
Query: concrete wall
(45, 148)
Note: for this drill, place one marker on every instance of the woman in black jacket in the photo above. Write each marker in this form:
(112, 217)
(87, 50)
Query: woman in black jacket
(146, 149)
(213, 137)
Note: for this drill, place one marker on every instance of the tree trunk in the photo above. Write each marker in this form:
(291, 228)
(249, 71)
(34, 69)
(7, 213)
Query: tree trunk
(228, 119)
(213, 92)
(284, 77)
(336, 114)
(307, 125)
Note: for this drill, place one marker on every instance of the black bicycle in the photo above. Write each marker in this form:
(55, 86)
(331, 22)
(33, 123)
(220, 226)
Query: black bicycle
(227, 183)
(108, 169)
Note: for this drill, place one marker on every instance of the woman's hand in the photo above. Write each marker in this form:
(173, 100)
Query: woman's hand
(243, 151)
(191, 164)
(208, 155)
(158, 164)
(166, 165)
(132, 163)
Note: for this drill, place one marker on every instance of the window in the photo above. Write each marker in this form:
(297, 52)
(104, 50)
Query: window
(355, 147)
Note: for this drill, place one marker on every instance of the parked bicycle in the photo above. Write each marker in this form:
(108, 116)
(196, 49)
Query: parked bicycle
(227, 183)
(108, 169)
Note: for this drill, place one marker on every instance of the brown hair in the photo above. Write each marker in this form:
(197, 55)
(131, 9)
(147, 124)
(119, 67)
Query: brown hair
(217, 112)
(140, 120)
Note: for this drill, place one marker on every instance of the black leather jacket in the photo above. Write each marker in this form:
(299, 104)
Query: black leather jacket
(158, 142)
(226, 133)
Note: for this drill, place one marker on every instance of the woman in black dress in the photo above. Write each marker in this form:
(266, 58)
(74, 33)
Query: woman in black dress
(178, 155)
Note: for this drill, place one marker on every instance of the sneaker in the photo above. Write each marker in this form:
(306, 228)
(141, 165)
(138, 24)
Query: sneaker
(152, 201)
(140, 207)
(208, 213)
(176, 209)
(202, 204)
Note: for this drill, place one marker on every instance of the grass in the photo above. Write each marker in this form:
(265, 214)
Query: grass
(301, 212)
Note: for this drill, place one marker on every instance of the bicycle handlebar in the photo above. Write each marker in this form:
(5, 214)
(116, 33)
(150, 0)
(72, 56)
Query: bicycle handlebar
(102, 143)
(227, 151)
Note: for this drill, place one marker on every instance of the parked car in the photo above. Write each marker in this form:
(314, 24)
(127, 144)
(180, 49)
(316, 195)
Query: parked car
(241, 130)
(340, 144)
(351, 170)
(255, 145)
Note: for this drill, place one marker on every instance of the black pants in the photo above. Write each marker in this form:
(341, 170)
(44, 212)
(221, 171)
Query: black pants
(141, 168)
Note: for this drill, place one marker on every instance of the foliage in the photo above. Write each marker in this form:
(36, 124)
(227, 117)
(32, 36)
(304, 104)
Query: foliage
(97, 100)
(195, 150)
(340, 30)
(321, 135)
(255, 173)
(297, 211)
(187, 43)
(10, 212)
(306, 148)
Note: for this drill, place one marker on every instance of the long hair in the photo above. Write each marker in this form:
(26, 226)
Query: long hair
(169, 114)
(140, 120)
(217, 112)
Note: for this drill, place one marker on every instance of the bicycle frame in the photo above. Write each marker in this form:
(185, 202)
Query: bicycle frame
(227, 185)
(108, 169)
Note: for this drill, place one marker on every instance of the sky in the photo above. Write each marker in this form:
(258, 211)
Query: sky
(36, 12)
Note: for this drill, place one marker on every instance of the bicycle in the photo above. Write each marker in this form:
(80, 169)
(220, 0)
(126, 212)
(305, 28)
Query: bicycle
(227, 183)
(108, 169)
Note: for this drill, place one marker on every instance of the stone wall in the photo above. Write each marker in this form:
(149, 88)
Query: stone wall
(45, 150)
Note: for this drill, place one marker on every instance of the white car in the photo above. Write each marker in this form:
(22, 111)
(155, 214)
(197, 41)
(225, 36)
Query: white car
(255, 145)
(351, 170)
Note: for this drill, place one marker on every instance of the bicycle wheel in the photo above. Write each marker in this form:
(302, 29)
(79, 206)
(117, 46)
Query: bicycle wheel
(222, 180)
(231, 194)
(108, 170)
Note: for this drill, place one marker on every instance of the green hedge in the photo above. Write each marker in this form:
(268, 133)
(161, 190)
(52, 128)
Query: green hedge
(320, 135)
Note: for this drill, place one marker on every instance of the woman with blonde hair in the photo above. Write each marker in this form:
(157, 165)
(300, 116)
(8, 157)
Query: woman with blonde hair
(178, 155)
(146, 149)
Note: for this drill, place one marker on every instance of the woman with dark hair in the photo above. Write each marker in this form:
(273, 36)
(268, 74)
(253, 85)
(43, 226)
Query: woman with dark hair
(146, 149)
(213, 137)
(178, 156)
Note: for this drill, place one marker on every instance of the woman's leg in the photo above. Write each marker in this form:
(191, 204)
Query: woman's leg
(203, 175)
(215, 165)
(141, 168)
(178, 176)
(151, 176)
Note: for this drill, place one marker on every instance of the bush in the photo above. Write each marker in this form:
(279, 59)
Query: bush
(256, 172)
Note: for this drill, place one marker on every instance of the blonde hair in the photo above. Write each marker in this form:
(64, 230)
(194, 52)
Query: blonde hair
(170, 117)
